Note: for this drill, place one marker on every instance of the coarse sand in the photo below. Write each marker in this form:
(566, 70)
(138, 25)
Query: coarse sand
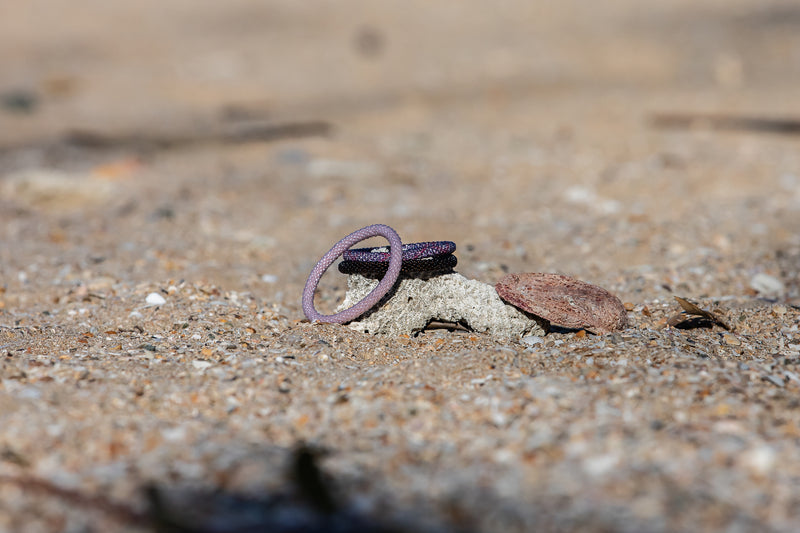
(171, 172)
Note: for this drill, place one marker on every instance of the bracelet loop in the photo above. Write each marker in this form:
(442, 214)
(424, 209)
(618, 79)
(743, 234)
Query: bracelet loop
(395, 262)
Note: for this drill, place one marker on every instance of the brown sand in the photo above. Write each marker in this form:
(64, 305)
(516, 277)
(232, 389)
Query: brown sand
(523, 132)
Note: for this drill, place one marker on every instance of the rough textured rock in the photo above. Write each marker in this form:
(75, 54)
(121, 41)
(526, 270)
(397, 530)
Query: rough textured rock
(416, 301)
(564, 301)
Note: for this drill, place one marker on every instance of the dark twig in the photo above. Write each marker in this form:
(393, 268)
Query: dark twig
(263, 132)
(784, 126)
(154, 141)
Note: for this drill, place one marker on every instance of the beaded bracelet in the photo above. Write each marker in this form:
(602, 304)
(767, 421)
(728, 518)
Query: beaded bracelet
(416, 250)
(438, 263)
(395, 258)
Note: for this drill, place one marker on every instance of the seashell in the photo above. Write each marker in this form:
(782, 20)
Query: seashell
(564, 301)
(693, 310)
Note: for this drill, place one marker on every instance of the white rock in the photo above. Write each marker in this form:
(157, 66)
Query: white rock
(416, 301)
(600, 465)
(766, 284)
(759, 460)
(201, 365)
(177, 433)
(269, 278)
(155, 299)
(530, 341)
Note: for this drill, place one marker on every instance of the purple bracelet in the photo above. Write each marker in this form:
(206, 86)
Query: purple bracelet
(395, 256)
(417, 250)
(428, 265)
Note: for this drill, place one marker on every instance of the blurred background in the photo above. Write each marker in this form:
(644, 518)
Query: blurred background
(231, 130)
(113, 63)
(170, 172)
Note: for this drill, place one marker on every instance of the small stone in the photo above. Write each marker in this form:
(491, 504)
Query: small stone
(481, 381)
(779, 310)
(759, 460)
(774, 379)
(731, 340)
(100, 283)
(174, 434)
(269, 278)
(788, 374)
(601, 465)
(201, 365)
(531, 340)
(564, 301)
(766, 284)
(155, 299)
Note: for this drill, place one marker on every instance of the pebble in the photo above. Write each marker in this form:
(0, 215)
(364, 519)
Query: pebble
(100, 283)
(201, 365)
(564, 301)
(759, 460)
(481, 381)
(155, 299)
(731, 340)
(531, 340)
(766, 284)
(791, 376)
(29, 393)
(601, 465)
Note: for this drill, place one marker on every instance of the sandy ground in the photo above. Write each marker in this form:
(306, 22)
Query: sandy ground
(525, 133)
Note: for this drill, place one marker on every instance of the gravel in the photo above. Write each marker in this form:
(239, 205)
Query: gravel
(525, 136)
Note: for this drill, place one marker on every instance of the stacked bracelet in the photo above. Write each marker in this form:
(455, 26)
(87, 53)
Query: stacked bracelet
(435, 256)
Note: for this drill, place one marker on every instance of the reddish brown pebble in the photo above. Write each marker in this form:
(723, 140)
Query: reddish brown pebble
(564, 301)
